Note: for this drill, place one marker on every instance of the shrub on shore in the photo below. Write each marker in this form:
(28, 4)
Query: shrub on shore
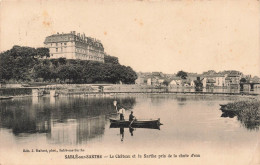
(248, 112)
(242, 105)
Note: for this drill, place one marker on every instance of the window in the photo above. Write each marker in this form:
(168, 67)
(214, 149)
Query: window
(56, 44)
(61, 49)
(56, 49)
(65, 43)
(51, 44)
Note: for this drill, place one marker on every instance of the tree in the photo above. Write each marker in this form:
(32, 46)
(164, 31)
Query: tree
(6, 66)
(111, 59)
(198, 85)
(182, 74)
(25, 63)
(166, 83)
(209, 72)
(42, 71)
(17, 63)
(243, 80)
(62, 61)
(43, 52)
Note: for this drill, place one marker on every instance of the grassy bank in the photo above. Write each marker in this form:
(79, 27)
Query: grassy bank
(247, 111)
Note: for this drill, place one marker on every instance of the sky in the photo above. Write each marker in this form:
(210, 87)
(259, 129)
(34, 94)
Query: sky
(164, 36)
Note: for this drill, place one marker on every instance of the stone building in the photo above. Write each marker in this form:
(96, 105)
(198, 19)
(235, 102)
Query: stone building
(72, 46)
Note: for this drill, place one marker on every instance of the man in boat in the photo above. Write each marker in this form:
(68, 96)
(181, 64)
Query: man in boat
(121, 111)
(131, 117)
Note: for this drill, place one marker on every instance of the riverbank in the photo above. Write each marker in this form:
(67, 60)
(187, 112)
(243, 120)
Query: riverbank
(118, 89)
(247, 111)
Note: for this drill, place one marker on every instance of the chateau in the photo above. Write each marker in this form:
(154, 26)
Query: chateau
(72, 46)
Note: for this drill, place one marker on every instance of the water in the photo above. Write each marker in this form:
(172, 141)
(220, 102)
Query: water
(191, 125)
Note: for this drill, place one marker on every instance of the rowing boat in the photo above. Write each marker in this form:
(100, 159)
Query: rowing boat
(114, 125)
(5, 98)
(136, 123)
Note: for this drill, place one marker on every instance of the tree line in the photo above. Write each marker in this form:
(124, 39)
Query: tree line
(26, 64)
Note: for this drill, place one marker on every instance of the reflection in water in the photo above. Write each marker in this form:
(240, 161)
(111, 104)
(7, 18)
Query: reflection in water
(70, 120)
(131, 130)
(83, 122)
(74, 131)
(250, 125)
(226, 114)
(122, 133)
(35, 100)
(52, 100)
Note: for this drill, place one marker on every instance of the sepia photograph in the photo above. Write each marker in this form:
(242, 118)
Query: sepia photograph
(135, 82)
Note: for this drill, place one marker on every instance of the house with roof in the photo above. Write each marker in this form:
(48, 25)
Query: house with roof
(233, 79)
(175, 81)
(74, 46)
(140, 80)
(228, 81)
(214, 80)
(220, 80)
(192, 83)
(150, 80)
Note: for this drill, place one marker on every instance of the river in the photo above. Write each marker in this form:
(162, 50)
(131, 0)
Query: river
(191, 125)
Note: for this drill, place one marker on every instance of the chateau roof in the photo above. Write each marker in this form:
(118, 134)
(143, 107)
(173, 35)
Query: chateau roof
(66, 37)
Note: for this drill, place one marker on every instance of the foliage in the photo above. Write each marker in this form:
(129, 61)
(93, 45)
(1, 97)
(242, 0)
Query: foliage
(243, 80)
(111, 59)
(166, 82)
(198, 85)
(209, 72)
(182, 74)
(30, 64)
(248, 112)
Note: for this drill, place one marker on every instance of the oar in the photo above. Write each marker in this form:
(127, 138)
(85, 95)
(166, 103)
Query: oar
(115, 104)
(131, 122)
